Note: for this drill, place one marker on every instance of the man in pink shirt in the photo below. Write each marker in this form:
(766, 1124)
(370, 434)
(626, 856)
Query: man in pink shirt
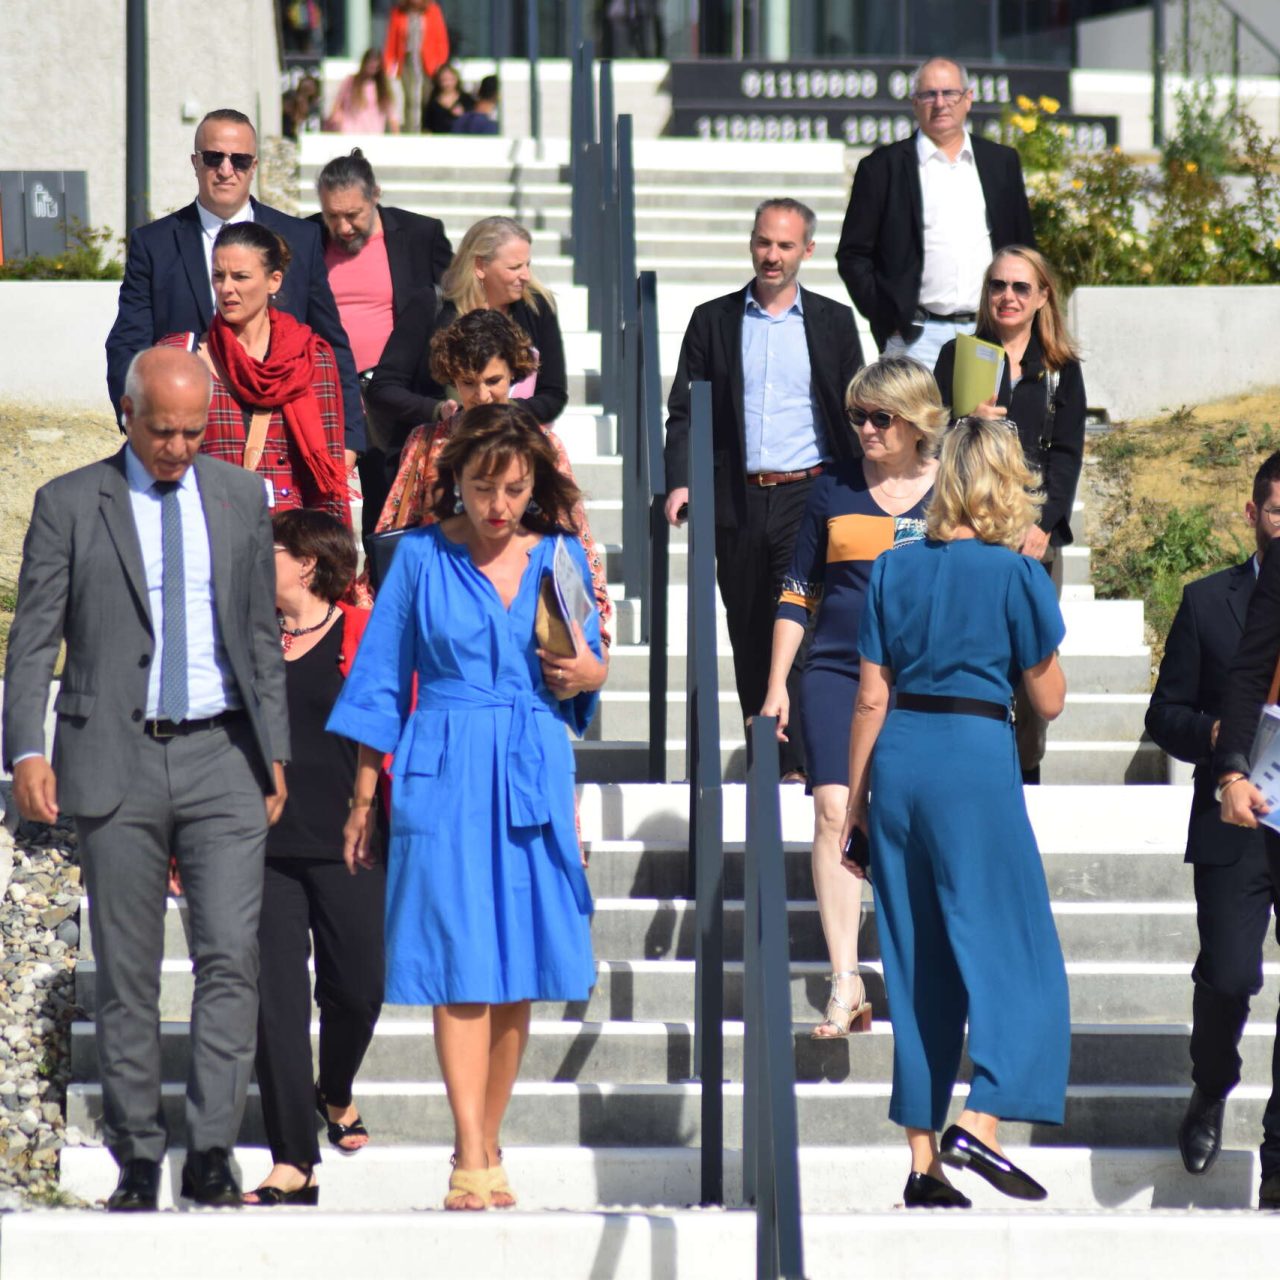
(376, 258)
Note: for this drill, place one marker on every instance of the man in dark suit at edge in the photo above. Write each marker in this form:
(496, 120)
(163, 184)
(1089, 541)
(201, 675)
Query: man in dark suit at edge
(778, 358)
(925, 216)
(377, 258)
(168, 285)
(1237, 872)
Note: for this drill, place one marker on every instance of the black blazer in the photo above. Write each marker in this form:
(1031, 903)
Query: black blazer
(166, 290)
(881, 251)
(405, 394)
(712, 352)
(418, 251)
(1190, 694)
(1028, 406)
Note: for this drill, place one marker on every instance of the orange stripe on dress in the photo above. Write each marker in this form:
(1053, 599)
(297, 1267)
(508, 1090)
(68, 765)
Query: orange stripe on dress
(855, 537)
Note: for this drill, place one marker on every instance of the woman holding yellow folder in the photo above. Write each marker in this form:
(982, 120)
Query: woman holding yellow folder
(1042, 391)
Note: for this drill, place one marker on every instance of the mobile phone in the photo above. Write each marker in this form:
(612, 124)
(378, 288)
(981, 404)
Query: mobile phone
(857, 849)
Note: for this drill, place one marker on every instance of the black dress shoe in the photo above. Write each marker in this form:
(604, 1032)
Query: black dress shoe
(1200, 1133)
(961, 1150)
(207, 1179)
(137, 1187)
(924, 1191)
(1269, 1192)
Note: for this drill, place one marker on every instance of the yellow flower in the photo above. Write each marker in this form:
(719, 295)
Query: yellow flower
(1192, 167)
(1146, 268)
(1025, 103)
(1051, 105)
(1115, 151)
(1204, 226)
(1217, 231)
(1077, 184)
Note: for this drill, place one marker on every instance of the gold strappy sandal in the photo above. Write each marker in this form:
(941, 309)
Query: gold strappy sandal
(845, 1018)
(464, 1183)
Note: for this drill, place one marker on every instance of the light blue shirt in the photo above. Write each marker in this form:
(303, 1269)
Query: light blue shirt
(780, 418)
(211, 687)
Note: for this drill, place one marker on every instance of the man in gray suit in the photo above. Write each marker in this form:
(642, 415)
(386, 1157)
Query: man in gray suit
(156, 567)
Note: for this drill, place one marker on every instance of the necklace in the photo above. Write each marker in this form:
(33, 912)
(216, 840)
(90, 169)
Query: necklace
(289, 634)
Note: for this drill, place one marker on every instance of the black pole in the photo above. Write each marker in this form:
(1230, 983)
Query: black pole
(1157, 73)
(137, 179)
(535, 89)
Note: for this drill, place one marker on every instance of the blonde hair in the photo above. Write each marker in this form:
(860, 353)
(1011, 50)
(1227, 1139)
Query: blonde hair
(480, 245)
(904, 387)
(1049, 325)
(983, 482)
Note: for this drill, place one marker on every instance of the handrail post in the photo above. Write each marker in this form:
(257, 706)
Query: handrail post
(653, 622)
(706, 801)
(535, 89)
(771, 1170)
(582, 175)
(1157, 73)
(601, 304)
(623, 339)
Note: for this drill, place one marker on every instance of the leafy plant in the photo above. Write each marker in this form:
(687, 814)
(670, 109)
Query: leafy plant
(1220, 448)
(1205, 135)
(86, 258)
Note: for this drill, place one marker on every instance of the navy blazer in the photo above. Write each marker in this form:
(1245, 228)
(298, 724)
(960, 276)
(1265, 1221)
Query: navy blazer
(166, 290)
(1191, 693)
(881, 251)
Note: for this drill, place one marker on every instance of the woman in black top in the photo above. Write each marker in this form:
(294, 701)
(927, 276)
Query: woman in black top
(308, 893)
(490, 269)
(447, 102)
(1042, 391)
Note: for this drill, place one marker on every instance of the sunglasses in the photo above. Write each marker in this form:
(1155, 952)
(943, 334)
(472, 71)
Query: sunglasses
(241, 161)
(1021, 288)
(881, 419)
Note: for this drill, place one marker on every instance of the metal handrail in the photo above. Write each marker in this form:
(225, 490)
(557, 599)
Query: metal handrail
(770, 1161)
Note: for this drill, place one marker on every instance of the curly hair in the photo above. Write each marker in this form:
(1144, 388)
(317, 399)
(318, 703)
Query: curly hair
(480, 244)
(492, 436)
(904, 387)
(468, 344)
(983, 482)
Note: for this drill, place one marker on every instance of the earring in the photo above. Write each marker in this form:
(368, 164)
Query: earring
(533, 509)
(458, 506)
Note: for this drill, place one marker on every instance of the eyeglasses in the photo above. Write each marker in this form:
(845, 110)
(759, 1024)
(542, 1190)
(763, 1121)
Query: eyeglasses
(1022, 288)
(241, 161)
(949, 96)
(1272, 514)
(880, 418)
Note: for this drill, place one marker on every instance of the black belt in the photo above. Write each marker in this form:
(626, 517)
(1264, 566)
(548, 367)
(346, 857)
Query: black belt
(939, 705)
(956, 317)
(160, 729)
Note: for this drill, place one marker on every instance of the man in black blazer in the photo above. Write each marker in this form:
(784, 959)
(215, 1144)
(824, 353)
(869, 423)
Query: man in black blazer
(777, 414)
(1237, 872)
(167, 277)
(378, 259)
(925, 215)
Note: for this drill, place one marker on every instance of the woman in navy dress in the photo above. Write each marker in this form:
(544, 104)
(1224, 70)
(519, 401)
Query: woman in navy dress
(487, 902)
(951, 625)
(853, 515)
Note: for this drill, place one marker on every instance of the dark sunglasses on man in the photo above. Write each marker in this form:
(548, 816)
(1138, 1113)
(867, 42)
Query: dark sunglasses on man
(241, 161)
(1022, 288)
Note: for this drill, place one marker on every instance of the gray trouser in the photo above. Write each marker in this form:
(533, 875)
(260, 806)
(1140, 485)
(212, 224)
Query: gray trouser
(1031, 731)
(198, 797)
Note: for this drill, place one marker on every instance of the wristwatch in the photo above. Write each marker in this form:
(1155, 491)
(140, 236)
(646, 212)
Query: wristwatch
(1226, 782)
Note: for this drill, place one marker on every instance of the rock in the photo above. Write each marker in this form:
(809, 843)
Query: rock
(51, 1113)
(28, 1123)
(72, 1136)
(28, 1089)
(17, 891)
(52, 917)
(15, 1033)
(6, 864)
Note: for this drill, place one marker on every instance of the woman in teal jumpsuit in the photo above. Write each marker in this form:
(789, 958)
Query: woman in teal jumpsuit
(952, 624)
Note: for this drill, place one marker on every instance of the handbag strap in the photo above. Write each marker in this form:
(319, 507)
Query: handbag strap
(255, 436)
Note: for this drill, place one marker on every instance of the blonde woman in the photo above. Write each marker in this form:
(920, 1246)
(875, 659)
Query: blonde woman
(951, 624)
(491, 269)
(853, 514)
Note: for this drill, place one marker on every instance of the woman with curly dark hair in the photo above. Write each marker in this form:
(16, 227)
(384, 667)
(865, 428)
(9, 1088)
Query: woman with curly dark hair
(487, 902)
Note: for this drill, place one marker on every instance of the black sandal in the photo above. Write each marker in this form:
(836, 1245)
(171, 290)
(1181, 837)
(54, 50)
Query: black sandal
(337, 1131)
(272, 1197)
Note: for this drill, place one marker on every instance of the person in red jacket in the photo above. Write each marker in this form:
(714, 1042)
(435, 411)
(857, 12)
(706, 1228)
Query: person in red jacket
(417, 47)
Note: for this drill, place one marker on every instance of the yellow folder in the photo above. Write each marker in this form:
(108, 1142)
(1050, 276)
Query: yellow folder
(976, 378)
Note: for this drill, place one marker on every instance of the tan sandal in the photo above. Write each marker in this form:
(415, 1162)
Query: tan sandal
(845, 1018)
(499, 1186)
(464, 1183)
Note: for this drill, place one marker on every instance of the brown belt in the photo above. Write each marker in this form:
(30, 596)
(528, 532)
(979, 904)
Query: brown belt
(767, 479)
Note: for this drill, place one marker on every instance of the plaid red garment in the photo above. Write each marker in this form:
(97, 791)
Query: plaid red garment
(281, 463)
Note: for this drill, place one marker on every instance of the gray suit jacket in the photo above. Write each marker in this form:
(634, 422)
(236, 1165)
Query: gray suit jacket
(82, 581)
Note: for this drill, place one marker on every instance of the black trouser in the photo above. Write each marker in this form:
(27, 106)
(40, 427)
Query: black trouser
(750, 564)
(304, 898)
(375, 484)
(1233, 910)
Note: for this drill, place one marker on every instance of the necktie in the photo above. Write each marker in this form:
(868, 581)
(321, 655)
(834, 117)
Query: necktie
(173, 595)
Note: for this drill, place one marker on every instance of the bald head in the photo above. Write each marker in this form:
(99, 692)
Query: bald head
(166, 407)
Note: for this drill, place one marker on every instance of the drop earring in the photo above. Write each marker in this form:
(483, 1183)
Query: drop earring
(458, 506)
(533, 509)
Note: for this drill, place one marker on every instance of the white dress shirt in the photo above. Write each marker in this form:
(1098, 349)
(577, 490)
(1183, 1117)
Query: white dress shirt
(211, 687)
(211, 224)
(957, 236)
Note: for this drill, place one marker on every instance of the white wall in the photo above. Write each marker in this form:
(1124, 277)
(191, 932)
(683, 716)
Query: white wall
(62, 65)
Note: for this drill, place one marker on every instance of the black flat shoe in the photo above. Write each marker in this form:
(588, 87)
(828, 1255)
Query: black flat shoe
(1200, 1133)
(207, 1179)
(337, 1131)
(137, 1188)
(961, 1150)
(272, 1197)
(924, 1191)
(1269, 1192)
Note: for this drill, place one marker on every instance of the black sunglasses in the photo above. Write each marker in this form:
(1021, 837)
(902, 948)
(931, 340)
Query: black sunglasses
(241, 162)
(1021, 287)
(880, 418)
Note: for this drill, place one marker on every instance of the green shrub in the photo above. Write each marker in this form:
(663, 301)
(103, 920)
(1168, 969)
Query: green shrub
(85, 259)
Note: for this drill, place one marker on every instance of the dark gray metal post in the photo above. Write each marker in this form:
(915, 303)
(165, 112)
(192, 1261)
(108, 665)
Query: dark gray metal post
(653, 622)
(993, 30)
(499, 29)
(1157, 72)
(535, 89)
(137, 180)
(602, 310)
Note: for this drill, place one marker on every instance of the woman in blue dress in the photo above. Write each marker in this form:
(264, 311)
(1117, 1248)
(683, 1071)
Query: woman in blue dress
(951, 625)
(487, 902)
(852, 515)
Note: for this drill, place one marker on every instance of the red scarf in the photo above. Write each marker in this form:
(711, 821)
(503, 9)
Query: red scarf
(284, 381)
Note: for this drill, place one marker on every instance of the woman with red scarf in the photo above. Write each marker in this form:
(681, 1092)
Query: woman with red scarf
(277, 403)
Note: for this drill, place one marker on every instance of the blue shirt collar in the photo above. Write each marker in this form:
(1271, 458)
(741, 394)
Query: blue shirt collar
(141, 480)
(749, 301)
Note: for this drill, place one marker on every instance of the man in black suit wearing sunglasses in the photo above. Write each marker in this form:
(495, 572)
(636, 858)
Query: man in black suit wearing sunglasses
(168, 275)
